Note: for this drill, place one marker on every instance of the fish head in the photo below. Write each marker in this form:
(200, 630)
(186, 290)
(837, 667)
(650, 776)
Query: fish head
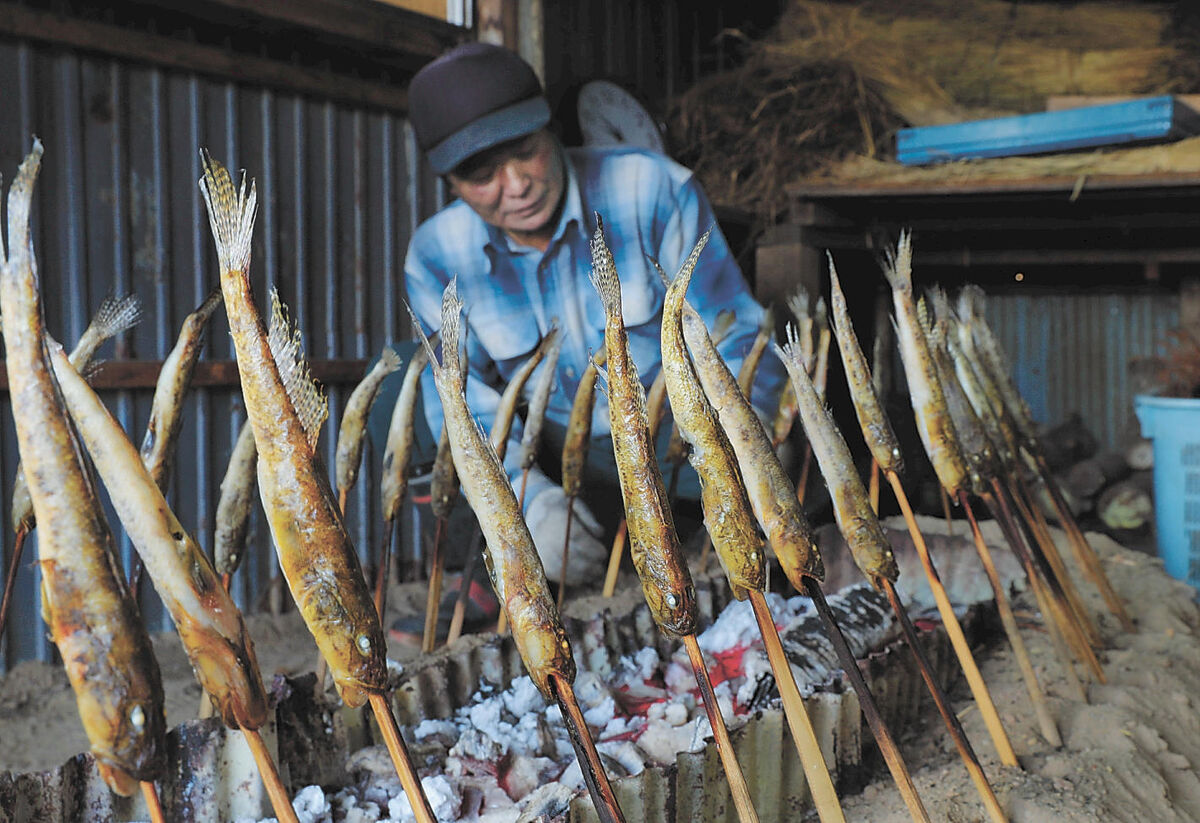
(669, 593)
(545, 653)
(125, 725)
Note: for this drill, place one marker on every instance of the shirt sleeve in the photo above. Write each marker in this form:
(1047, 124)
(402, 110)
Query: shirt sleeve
(718, 284)
(424, 283)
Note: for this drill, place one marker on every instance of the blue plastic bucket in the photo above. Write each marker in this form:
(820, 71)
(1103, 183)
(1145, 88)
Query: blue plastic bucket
(1173, 423)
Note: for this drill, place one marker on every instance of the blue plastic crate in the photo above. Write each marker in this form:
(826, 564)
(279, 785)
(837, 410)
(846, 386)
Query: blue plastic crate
(1150, 119)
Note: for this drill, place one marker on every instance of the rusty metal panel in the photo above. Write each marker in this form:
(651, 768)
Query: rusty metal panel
(341, 189)
(1071, 351)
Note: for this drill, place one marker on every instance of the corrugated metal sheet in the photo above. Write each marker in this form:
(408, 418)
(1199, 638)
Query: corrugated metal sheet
(1071, 352)
(117, 209)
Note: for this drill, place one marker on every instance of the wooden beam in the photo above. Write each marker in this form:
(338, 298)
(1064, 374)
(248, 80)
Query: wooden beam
(45, 26)
(143, 374)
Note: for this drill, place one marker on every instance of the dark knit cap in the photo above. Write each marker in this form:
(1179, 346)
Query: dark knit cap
(472, 98)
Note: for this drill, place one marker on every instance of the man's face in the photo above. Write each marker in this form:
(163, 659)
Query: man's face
(516, 186)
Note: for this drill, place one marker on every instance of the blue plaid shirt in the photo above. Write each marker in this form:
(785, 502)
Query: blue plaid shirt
(511, 293)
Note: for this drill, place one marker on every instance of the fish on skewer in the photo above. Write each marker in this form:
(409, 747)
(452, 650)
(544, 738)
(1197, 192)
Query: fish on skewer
(211, 627)
(85, 600)
(871, 551)
(994, 361)
(443, 493)
(353, 428)
(775, 504)
(936, 429)
(511, 558)
(233, 506)
(813, 337)
(984, 458)
(881, 374)
(886, 456)
(1057, 582)
(506, 412)
(286, 410)
(397, 457)
(535, 417)
(653, 541)
(166, 409)
(731, 524)
(114, 316)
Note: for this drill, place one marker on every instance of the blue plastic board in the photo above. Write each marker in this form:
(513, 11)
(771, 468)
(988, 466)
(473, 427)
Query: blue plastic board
(1135, 121)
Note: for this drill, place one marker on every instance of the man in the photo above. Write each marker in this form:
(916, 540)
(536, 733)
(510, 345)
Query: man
(517, 238)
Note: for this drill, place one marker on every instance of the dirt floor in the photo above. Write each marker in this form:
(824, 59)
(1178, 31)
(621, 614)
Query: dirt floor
(1128, 753)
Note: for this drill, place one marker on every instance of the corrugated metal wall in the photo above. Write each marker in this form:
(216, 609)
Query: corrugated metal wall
(117, 209)
(1072, 352)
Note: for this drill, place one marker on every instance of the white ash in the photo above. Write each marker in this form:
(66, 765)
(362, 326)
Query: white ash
(507, 755)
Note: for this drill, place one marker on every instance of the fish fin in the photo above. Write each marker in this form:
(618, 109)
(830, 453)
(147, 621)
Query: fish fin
(286, 348)
(800, 303)
(970, 301)
(662, 275)
(230, 213)
(604, 273)
(897, 267)
(389, 360)
(821, 315)
(795, 349)
(117, 314)
(427, 342)
(689, 265)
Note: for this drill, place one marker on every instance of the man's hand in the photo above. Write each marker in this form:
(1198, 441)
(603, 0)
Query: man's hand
(546, 515)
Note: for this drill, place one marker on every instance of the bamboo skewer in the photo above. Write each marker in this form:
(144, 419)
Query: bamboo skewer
(384, 570)
(954, 630)
(614, 559)
(969, 758)
(566, 552)
(603, 799)
(1041, 533)
(284, 812)
(873, 486)
(1059, 607)
(883, 736)
(1061, 649)
(434, 595)
(1084, 553)
(958, 640)
(805, 467)
(820, 784)
(946, 511)
(14, 564)
(464, 591)
(737, 781)
(153, 804)
(401, 760)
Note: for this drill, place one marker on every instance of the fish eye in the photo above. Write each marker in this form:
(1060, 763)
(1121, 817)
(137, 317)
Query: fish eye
(137, 716)
(364, 644)
(672, 601)
(753, 557)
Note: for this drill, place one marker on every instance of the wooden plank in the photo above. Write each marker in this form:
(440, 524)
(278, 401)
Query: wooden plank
(59, 29)
(143, 374)
(965, 186)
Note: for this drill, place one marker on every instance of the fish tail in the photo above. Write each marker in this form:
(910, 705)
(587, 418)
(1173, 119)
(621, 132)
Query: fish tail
(943, 313)
(897, 266)
(604, 273)
(117, 314)
(452, 306)
(722, 325)
(287, 349)
(794, 350)
(689, 265)
(231, 213)
(389, 360)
